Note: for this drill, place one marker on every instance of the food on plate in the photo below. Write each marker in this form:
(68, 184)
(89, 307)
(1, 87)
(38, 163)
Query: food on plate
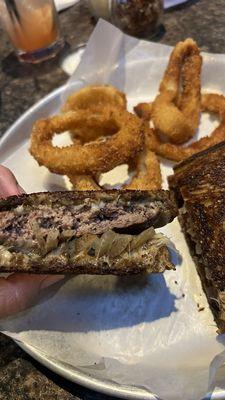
(145, 171)
(95, 98)
(105, 135)
(178, 122)
(92, 157)
(144, 110)
(96, 127)
(213, 103)
(176, 110)
(148, 173)
(93, 232)
(199, 186)
(83, 182)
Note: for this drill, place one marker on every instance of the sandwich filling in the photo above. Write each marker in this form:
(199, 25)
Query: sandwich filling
(102, 234)
(82, 219)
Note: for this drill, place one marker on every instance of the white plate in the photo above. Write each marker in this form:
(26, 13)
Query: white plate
(102, 386)
(14, 154)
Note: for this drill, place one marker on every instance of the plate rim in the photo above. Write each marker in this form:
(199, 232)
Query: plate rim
(85, 380)
(54, 93)
(102, 386)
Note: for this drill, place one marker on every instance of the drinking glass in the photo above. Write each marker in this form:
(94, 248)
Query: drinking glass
(139, 18)
(33, 28)
(100, 8)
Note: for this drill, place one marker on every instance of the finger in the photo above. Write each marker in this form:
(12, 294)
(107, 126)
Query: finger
(19, 291)
(8, 183)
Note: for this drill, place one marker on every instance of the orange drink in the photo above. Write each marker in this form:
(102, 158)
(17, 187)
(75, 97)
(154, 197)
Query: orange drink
(32, 27)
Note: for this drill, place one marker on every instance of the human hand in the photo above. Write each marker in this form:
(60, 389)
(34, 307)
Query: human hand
(19, 291)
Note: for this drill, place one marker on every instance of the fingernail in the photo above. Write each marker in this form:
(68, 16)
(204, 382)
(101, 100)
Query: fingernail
(50, 280)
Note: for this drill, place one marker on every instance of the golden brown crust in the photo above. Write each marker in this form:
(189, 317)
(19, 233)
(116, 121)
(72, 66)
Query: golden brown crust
(212, 103)
(144, 110)
(148, 173)
(94, 96)
(146, 168)
(179, 124)
(91, 158)
(83, 182)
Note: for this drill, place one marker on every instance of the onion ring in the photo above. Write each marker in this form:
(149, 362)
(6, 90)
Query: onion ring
(147, 170)
(91, 158)
(148, 173)
(83, 182)
(144, 111)
(177, 124)
(212, 102)
(94, 98)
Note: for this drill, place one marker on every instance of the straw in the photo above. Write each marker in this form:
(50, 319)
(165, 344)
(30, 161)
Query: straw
(12, 9)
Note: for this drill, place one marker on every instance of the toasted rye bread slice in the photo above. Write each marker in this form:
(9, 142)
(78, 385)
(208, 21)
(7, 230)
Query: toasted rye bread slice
(199, 186)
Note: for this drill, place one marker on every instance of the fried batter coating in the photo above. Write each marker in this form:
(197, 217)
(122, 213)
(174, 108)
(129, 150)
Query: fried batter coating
(176, 110)
(93, 157)
(94, 98)
(213, 103)
(179, 124)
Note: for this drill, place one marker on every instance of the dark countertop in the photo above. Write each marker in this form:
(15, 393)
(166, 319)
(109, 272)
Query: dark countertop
(22, 378)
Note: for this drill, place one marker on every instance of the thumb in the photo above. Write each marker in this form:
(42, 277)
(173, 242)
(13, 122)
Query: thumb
(8, 183)
(19, 291)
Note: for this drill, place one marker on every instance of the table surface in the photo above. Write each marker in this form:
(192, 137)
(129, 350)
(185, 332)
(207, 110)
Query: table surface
(22, 378)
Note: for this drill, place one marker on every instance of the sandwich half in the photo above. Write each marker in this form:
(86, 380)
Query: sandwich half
(199, 187)
(90, 232)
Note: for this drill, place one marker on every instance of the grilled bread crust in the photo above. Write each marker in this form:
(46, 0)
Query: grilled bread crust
(199, 187)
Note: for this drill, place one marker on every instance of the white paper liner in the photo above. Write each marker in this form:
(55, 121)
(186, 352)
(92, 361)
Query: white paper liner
(143, 331)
